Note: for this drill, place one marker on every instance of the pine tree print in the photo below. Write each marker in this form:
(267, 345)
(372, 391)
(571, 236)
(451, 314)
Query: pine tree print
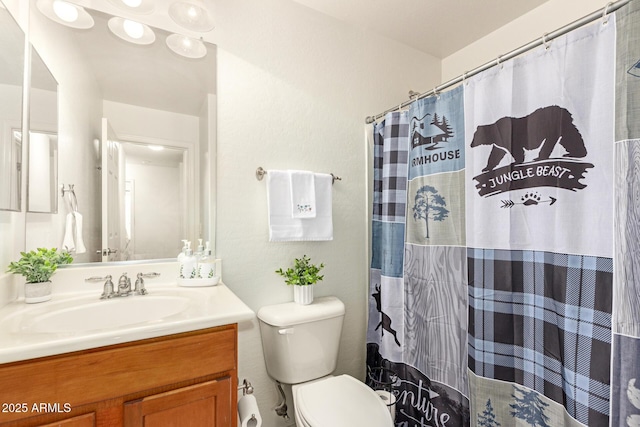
(529, 407)
(488, 417)
(429, 205)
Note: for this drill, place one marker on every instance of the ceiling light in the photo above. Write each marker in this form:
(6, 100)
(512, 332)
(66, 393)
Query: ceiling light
(186, 46)
(131, 31)
(192, 15)
(65, 13)
(136, 6)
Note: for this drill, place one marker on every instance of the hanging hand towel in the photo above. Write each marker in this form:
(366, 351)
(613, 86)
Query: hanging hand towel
(303, 194)
(68, 243)
(284, 228)
(80, 248)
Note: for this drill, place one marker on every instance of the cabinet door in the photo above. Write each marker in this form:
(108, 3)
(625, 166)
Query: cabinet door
(206, 404)
(87, 420)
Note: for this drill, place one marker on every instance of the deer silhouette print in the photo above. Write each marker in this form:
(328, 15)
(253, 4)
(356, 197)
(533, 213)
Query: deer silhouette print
(385, 322)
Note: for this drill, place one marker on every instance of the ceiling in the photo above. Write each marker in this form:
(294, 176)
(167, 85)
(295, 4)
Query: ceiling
(436, 27)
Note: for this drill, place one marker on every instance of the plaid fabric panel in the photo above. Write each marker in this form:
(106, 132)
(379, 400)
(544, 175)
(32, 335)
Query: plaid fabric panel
(543, 320)
(391, 153)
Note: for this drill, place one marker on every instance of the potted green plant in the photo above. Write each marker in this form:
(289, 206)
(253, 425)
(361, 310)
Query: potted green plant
(302, 276)
(37, 267)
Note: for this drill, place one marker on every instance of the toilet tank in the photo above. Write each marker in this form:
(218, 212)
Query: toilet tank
(300, 342)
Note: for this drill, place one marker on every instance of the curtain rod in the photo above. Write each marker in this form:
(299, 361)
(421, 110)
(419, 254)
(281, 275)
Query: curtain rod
(544, 40)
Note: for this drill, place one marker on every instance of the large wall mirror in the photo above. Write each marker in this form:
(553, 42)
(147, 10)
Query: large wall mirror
(12, 47)
(134, 141)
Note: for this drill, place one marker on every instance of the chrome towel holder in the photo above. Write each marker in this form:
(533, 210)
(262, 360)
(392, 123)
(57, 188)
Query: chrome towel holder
(260, 173)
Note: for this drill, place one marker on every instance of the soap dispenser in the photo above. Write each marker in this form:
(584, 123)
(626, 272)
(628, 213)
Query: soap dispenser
(206, 266)
(188, 264)
(200, 251)
(183, 253)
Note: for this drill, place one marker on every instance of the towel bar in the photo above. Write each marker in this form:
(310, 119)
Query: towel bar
(260, 173)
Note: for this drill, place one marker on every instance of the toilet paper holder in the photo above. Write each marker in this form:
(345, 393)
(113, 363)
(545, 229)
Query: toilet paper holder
(246, 387)
(380, 378)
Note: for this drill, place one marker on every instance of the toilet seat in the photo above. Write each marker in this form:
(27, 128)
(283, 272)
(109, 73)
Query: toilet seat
(340, 401)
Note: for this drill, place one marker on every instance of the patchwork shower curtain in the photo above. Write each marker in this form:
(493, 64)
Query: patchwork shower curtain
(499, 209)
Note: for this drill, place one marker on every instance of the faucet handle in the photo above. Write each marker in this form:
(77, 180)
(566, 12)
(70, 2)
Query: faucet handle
(139, 288)
(107, 291)
(97, 278)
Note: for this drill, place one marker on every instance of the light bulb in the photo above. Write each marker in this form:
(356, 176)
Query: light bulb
(134, 29)
(193, 12)
(65, 11)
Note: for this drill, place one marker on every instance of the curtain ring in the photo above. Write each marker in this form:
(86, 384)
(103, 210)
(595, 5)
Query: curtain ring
(498, 59)
(464, 78)
(435, 93)
(544, 41)
(605, 13)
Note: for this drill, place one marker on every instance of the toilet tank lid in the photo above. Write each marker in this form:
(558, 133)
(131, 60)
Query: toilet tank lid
(292, 313)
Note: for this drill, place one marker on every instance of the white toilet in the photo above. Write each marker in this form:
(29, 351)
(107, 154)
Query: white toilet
(300, 345)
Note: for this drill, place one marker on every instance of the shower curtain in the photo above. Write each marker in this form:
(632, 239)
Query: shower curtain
(499, 208)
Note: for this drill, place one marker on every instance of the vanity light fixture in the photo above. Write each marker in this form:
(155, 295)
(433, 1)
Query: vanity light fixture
(131, 31)
(192, 15)
(186, 46)
(65, 13)
(135, 6)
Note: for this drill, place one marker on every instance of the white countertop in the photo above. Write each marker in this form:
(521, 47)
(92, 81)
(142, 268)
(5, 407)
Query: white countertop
(201, 308)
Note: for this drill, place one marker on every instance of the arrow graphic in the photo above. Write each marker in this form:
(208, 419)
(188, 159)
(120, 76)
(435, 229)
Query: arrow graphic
(508, 204)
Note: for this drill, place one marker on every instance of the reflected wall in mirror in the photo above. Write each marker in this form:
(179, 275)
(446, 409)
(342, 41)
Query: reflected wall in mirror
(42, 163)
(149, 96)
(12, 46)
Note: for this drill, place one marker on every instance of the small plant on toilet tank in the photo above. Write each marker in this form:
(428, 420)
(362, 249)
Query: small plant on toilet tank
(302, 275)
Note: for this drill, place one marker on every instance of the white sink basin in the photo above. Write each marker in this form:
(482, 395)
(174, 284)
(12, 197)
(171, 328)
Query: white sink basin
(113, 313)
(81, 320)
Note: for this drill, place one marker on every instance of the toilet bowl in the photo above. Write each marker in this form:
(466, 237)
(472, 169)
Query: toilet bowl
(300, 344)
(340, 401)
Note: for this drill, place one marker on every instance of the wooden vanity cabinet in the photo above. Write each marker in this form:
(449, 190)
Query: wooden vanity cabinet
(186, 379)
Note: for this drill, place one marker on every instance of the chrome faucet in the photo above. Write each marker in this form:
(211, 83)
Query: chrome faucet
(124, 286)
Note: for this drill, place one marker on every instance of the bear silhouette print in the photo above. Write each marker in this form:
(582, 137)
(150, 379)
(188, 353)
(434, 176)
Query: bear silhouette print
(544, 128)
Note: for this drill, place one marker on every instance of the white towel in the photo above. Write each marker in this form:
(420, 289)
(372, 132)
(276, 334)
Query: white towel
(80, 248)
(67, 243)
(303, 194)
(284, 228)
(72, 241)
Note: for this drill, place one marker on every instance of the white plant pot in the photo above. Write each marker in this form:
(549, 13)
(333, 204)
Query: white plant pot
(303, 294)
(37, 292)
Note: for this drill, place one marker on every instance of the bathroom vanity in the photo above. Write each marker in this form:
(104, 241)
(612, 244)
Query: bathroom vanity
(182, 379)
(166, 358)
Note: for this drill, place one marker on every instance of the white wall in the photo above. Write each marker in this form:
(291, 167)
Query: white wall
(294, 88)
(544, 19)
